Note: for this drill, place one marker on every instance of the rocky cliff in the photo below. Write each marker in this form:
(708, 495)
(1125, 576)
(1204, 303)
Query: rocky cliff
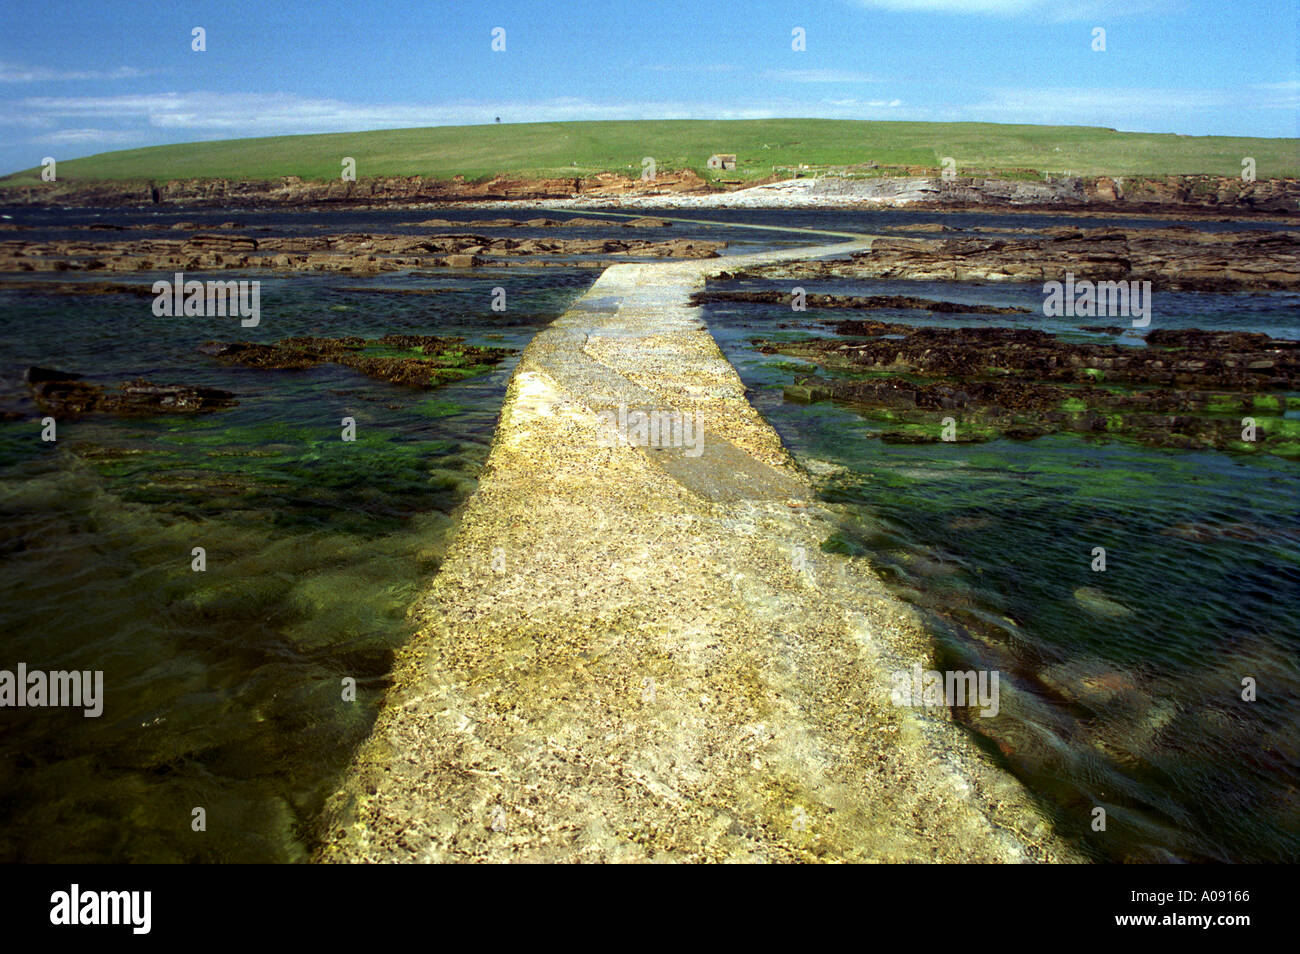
(1194, 194)
(290, 191)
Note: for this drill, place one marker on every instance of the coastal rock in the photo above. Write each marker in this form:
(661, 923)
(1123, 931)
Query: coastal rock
(78, 288)
(1185, 193)
(420, 361)
(1170, 258)
(66, 394)
(644, 222)
(1108, 190)
(387, 190)
(1099, 604)
(776, 297)
(1093, 682)
(1184, 389)
(349, 252)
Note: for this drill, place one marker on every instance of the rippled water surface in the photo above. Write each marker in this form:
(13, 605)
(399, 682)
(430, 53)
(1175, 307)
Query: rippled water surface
(225, 688)
(1120, 688)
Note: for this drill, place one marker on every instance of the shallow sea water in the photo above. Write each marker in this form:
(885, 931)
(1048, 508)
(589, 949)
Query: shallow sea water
(224, 688)
(1119, 689)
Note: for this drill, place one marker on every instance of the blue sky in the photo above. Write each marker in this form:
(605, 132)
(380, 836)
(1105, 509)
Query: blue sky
(82, 78)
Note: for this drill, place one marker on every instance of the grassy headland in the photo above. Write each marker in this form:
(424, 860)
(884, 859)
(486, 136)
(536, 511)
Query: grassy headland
(766, 148)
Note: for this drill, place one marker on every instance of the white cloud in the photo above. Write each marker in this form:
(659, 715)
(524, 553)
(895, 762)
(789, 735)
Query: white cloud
(1000, 7)
(27, 122)
(16, 73)
(209, 114)
(851, 106)
(157, 119)
(97, 137)
(1291, 87)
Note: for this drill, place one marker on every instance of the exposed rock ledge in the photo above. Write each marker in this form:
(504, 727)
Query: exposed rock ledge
(1170, 258)
(1185, 193)
(352, 252)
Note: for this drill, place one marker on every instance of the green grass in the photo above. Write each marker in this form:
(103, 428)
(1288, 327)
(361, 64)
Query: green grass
(765, 147)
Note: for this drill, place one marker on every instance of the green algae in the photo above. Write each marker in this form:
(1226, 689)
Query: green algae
(254, 469)
(448, 375)
(372, 350)
(1035, 393)
(1228, 404)
(436, 407)
(425, 361)
(963, 431)
(1108, 411)
(792, 367)
(844, 544)
(1280, 427)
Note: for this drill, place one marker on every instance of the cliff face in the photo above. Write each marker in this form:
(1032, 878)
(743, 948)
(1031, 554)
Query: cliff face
(1170, 193)
(290, 191)
(1228, 193)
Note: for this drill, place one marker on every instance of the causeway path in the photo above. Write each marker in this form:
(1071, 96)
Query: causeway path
(640, 654)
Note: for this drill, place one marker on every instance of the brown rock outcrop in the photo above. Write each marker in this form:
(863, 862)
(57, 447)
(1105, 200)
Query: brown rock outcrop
(1170, 258)
(344, 252)
(65, 394)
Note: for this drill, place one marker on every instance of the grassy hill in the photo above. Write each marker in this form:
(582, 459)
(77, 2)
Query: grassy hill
(764, 146)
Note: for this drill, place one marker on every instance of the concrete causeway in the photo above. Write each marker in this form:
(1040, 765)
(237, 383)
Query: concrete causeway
(640, 653)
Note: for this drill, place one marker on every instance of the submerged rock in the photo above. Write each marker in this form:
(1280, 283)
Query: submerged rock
(1186, 388)
(65, 394)
(1095, 601)
(778, 297)
(421, 361)
(79, 288)
(1093, 682)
